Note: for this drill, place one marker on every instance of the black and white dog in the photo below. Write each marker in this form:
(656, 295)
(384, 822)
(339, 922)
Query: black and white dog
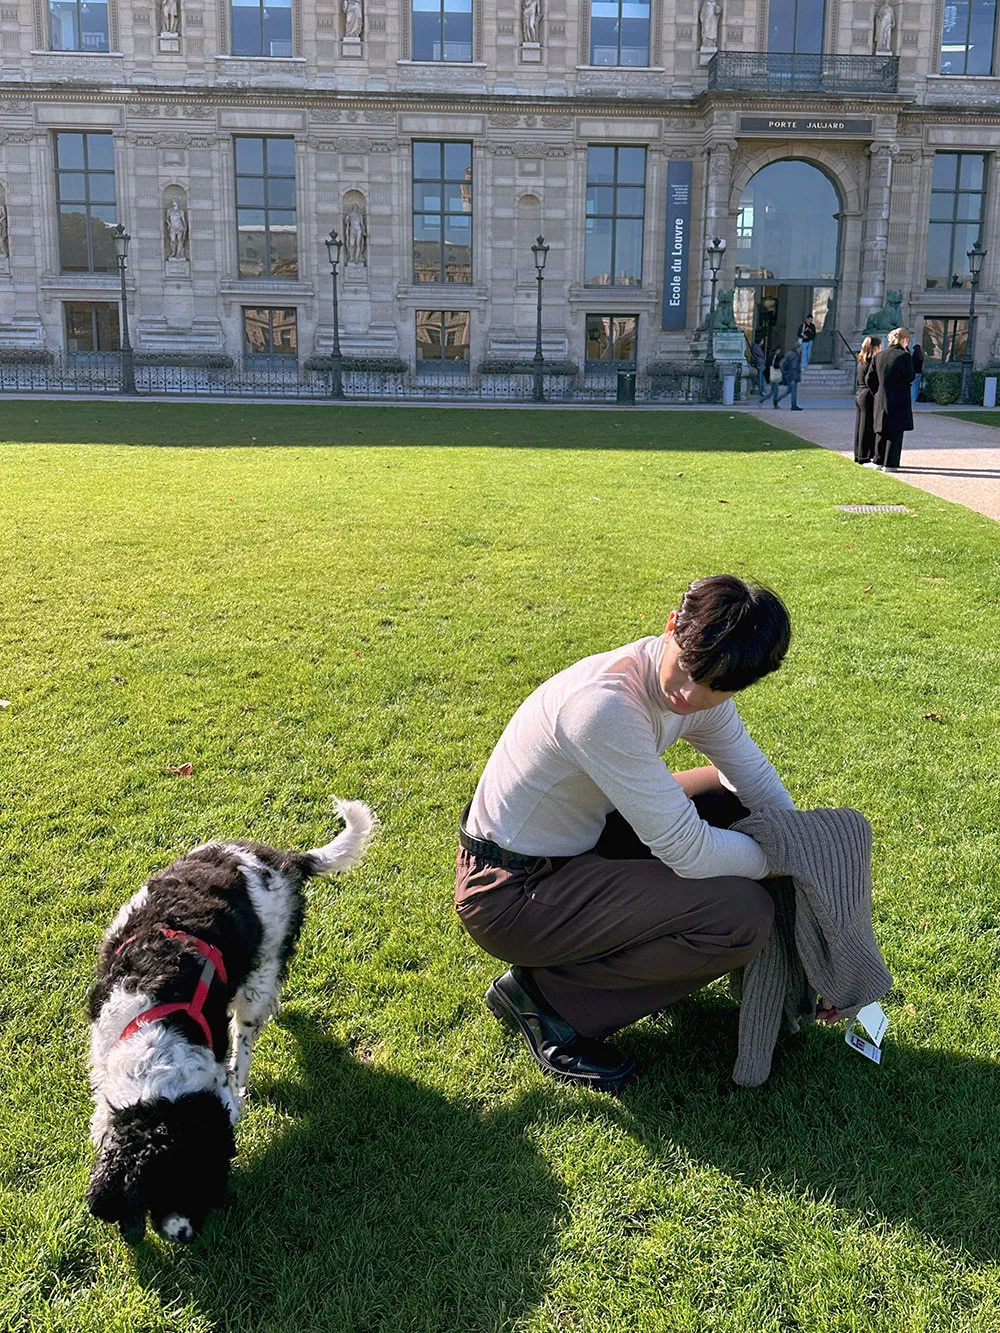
(189, 973)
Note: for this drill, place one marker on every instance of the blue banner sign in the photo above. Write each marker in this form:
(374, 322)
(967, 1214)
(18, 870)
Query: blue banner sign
(677, 245)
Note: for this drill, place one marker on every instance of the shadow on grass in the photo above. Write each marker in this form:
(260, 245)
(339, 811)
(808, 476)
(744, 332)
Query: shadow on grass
(291, 425)
(383, 1206)
(913, 1139)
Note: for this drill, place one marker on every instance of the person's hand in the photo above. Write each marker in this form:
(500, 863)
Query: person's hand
(825, 1013)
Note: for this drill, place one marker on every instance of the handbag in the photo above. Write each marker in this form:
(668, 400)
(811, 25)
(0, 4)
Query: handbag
(774, 375)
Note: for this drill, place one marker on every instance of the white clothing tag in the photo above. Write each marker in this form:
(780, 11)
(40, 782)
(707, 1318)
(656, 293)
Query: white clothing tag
(865, 1048)
(872, 1018)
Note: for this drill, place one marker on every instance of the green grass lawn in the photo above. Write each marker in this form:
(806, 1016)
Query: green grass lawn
(980, 418)
(300, 602)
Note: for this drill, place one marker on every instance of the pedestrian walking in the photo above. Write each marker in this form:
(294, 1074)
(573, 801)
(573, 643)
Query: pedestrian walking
(864, 424)
(774, 375)
(791, 373)
(889, 378)
(759, 357)
(807, 336)
(917, 357)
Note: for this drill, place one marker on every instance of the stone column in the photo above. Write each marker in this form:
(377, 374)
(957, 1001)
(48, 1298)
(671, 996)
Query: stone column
(875, 239)
(718, 220)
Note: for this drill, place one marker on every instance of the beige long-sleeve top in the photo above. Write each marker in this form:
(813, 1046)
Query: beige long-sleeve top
(590, 740)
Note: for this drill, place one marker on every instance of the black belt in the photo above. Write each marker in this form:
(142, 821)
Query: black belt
(491, 852)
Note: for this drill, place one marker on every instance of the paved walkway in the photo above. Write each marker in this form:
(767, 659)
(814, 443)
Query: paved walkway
(954, 459)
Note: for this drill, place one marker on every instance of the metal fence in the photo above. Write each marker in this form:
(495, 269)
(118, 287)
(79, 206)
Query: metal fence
(778, 71)
(102, 375)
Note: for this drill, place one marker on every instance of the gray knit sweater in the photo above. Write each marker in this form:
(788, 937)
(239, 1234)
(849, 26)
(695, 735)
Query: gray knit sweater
(822, 940)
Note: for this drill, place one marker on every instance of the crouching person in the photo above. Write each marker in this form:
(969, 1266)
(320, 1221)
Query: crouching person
(613, 886)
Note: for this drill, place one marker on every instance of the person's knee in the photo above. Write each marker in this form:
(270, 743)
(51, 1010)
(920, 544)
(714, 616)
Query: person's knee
(753, 919)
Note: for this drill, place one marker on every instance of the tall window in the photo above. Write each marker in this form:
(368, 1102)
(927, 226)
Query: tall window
(79, 25)
(796, 26)
(265, 208)
(442, 29)
(616, 194)
(262, 29)
(269, 331)
(968, 36)
(619, 32)
(85, 197)
(442, 212)
(945, 339)
(442, 340)
(91, 326)
(958, 200)
(611, 339)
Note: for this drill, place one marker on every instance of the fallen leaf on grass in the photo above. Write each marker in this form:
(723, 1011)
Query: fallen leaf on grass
(180, 770)
(4, 703)
(723, 502)
(248, 708)
(933, 717)
(868, 588)
(910, 1010)
(117, 680)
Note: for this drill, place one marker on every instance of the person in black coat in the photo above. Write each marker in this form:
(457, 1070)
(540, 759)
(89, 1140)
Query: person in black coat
(864, 426)
(889, 378)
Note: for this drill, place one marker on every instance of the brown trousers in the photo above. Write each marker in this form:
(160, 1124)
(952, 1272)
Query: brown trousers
(614, 934)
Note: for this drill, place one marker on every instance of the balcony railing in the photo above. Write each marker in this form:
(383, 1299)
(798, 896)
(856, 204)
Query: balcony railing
(781, 71)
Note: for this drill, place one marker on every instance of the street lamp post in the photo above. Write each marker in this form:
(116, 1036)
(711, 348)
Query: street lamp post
(121, 239)
(333, 247)
(976, 256)
(541, 251)
(715, 251)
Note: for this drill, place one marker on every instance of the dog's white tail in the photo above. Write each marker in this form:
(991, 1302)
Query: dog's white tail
(348, 846)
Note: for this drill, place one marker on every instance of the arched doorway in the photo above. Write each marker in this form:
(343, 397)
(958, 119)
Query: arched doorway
(787, 255)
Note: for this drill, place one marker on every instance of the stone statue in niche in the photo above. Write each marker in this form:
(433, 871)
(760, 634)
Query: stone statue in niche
(170, 16)
(885, 21)
(709, 18)
(531, 13)
(354, 18)
(177, 230)
(4, 232)
(356, 235)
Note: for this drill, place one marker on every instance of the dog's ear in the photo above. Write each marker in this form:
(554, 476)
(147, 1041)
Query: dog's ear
(111, 1194)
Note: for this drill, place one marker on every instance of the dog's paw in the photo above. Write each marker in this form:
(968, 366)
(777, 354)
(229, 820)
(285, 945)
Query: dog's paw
(233, 1099)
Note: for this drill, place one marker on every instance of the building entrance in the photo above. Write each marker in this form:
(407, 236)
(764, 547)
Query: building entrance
(774, 312)
(787, 256)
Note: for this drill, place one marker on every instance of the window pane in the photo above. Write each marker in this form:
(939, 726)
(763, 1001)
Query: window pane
(250, 155)
(74, 256)
(277, 30)
(938, 255)
(250, 191)
(69, 150)
(427, 227)
(600, 166)
(427, 161)
(600, 200)
(102, 240)
(631, 166)
(456, 335)
(94, 25)
(598, 337)
(280, 192)
(945, 171)
(106, 316)
(970, 207)
(628, 253)
(457, 161)
(284, 333)
(933, 343)
(426, 34)
(427, 260)
(623, 332)
(597, 262)
(253, 250)
(64, 33)
(942, 206)
(971, 171)
(100, 152)
(982, 30)
(631, 201)
(284, 251)
(71, 187)
(635, 33)
(102, 188)
(280, 157)
(458, 36)
(257, 331)
(246, 23)
(965, 239)
(79, 327)
(429, 334)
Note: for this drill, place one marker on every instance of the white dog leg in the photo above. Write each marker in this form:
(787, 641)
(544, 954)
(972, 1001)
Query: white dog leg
(253, 1004)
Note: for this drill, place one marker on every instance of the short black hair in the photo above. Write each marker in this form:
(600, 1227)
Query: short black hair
(731, 632)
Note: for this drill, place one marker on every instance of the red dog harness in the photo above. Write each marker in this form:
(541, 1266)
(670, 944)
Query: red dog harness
(195, 1007)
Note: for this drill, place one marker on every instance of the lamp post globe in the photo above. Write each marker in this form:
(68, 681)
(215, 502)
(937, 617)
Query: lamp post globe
(121, 240)
(540, 251)
(334, 245)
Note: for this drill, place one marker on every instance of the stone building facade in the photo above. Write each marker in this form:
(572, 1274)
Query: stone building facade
(819, 138)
